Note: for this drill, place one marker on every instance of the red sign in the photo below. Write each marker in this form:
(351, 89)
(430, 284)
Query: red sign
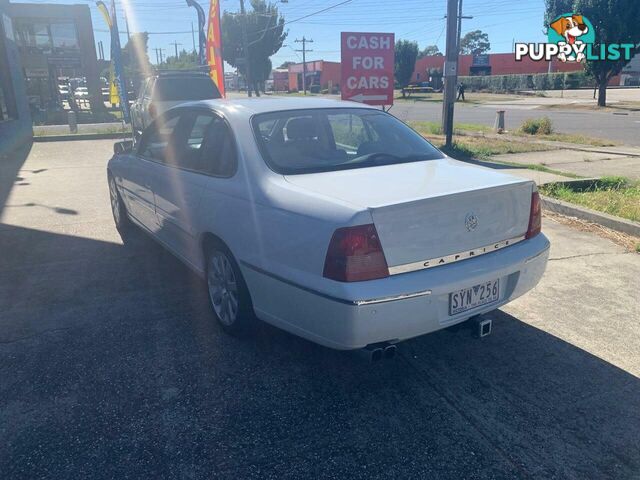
(367, 67)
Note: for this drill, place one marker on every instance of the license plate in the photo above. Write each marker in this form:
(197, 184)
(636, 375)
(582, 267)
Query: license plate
(472, 297)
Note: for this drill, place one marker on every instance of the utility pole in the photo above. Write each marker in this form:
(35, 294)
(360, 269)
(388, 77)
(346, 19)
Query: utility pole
(175, 44)
(304, 51)
(245, 48)
(454, 34)
(193, 37)
(159, 53)
(460, 17)
(450, 71)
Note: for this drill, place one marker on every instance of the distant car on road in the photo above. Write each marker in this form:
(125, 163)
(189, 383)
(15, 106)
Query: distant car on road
(332, 220)
(165, 90)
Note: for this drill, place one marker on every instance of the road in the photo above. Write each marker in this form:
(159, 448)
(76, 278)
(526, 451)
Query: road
(622, 127)
(112, 366)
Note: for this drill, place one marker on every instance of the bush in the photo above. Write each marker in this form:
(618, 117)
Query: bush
(515, 83)
(537, 126)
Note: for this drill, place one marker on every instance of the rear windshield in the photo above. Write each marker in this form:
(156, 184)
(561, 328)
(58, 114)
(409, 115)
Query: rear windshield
(185, 88)
(323, 140)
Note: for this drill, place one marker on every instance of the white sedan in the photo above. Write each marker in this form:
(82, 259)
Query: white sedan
(332, 220)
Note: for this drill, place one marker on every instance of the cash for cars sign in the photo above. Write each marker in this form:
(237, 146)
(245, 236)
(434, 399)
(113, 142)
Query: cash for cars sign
(367, 67)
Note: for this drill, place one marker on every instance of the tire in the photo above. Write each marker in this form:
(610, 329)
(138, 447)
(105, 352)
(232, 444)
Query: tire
(119, 211)
(227, 291)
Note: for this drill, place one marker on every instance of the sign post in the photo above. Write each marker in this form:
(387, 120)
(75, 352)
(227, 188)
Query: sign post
(367, 67)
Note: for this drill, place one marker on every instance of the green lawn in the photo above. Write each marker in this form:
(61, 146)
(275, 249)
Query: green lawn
(617, 196)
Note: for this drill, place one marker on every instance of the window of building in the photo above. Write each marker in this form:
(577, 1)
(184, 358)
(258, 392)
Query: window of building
(7, 101)
(33, 34)
(46, 35)
(64, 35)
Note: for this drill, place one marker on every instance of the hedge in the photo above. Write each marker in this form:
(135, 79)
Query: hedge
(539, 81)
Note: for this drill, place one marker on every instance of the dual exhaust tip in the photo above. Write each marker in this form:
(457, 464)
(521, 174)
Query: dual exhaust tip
(377, 352)
(481, 326)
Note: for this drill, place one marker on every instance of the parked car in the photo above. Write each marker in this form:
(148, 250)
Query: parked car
(164, 90)
(332, 220)
(63, 90)
(81, 93)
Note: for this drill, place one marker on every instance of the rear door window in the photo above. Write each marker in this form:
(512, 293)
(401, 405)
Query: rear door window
(218, 157)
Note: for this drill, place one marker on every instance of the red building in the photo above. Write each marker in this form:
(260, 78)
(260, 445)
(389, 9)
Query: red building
(491, 64)
(319, 72)
(280, 80)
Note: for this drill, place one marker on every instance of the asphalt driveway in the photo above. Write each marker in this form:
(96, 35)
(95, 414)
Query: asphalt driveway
(112, 367)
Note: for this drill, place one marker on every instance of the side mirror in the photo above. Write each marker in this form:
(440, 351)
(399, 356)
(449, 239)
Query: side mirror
(120, 148)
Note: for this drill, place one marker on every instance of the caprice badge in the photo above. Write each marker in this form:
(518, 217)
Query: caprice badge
(471, 221)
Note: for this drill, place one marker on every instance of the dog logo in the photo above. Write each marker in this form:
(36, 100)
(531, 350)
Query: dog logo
(471, 221)
(571, 29)
(571, 38)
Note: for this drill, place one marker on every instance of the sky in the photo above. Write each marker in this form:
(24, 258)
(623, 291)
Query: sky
(169, 21)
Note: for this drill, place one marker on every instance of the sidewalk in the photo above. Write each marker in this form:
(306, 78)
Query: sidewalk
(575, 159)
(580, 162)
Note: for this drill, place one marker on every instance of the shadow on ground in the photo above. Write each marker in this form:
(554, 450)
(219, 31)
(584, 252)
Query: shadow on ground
(112, 367)
(10, 166)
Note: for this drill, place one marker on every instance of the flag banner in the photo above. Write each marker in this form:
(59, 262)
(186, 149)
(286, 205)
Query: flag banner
(114, 99)
(214, 46)
(117, 64)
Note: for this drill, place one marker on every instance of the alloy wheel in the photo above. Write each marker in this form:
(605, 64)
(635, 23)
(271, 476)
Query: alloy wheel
(223, 288)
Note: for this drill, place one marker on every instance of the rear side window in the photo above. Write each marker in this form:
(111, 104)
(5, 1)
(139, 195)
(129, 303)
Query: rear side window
(172, 89)
(158, 138)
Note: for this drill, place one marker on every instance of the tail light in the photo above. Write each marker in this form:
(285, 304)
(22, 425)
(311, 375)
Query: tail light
(355, 254)
(535, 216)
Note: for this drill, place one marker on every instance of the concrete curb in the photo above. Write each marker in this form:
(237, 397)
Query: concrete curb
(604, 219)
(82, 136)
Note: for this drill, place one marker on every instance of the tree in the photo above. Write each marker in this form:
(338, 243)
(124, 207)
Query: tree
(286, 64)
(265, 32)
(475, 42)
(185, 61)
(614, 21)
(430, 51)
(406, 55)
(135, 59)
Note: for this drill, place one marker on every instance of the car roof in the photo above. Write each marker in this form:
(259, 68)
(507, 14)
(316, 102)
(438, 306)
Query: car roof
(252, 106)
(180, 73)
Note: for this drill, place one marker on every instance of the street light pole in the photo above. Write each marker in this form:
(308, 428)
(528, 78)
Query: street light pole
(450, 71)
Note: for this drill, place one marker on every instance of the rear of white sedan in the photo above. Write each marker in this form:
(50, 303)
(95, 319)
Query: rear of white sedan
(334, 221)
(391, 239)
